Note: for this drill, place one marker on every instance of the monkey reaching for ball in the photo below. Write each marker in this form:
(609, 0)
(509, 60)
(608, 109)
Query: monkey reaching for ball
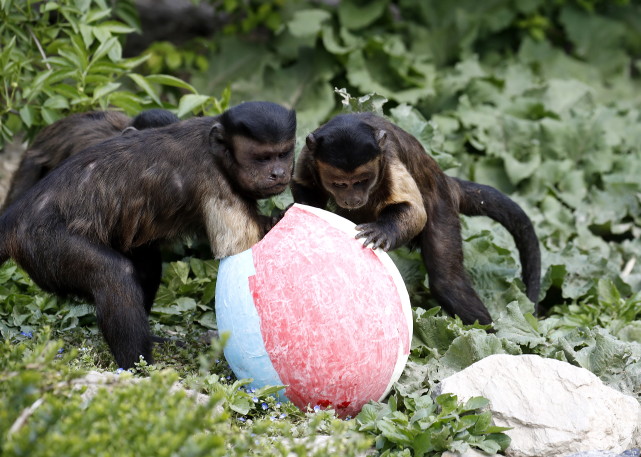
(381, 178)
(72, 134)
(92, 226)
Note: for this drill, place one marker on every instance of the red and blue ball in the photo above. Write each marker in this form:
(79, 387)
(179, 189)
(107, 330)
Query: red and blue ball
(311, 308)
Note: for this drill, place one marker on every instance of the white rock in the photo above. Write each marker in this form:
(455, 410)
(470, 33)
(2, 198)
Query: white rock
(554, 408)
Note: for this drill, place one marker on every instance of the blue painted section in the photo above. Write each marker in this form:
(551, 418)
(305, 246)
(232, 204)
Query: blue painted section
(236, 313)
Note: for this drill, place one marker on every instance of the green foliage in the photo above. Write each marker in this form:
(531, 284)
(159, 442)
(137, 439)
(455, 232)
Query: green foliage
(427, 426)
(539, 99)
(46, 413)
(65, 56)
(604, 307)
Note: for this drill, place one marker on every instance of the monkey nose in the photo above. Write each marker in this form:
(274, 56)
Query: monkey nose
(278, 174)
(353, 203)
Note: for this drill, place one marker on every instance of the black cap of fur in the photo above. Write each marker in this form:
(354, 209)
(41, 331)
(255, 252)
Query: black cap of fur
(262, 121)
(345, 142)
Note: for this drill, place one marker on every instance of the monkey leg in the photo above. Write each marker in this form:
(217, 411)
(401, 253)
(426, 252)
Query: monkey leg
(147, 262)
(442, 252)
(64, 263)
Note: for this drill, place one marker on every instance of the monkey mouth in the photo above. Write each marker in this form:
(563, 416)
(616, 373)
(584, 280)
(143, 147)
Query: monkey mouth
(274, 189)
(352, 207)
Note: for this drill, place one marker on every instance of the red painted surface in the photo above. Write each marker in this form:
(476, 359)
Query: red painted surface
(330, 314)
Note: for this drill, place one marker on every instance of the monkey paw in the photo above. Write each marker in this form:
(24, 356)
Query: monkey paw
(377, 235)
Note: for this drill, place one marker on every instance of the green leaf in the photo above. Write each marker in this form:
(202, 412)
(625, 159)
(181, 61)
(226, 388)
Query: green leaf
(475, 403)
(191, 102)
(104, 90)
(57, 102)
(145, 86)
(489, 447)
(168, 80)
(359, 14)
(96, 15)
(27, 113)
(516, 327)
(104, 49)
(394, 432)
(307, 22)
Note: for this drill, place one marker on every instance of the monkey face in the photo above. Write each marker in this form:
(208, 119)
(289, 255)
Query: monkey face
(350, 189)
(264, 169)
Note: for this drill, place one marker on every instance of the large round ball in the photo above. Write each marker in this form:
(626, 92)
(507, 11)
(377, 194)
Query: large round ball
(310, 308)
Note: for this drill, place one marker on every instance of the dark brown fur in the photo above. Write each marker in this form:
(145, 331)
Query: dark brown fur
(92, 226)
(70, 135)
(393, 214)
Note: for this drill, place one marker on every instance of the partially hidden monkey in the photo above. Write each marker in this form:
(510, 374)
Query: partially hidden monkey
(72, 134)
(381, 178)
(92, 227)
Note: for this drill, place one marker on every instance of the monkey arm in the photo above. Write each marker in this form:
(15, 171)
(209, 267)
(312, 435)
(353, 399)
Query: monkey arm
(305, 186)
(401, 217)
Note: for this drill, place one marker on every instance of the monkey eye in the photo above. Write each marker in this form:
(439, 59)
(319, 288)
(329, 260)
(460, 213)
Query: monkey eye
(282, 155)
(361, 182)
(339, 185)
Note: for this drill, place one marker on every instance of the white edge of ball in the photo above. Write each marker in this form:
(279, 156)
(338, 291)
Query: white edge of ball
(348, 227)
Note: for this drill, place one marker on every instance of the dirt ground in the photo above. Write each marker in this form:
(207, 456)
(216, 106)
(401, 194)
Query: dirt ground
(9, 159)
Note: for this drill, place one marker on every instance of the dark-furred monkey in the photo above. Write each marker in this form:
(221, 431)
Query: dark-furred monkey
(93, 225)
(381, 178)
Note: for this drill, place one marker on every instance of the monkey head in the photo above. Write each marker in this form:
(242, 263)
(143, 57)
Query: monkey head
(349, 160)
(255, 143)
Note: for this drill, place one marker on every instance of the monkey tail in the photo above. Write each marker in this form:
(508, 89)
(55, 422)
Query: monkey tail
(480, 200)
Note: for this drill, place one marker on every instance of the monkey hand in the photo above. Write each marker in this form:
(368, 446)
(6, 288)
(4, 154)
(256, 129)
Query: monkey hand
(378, 235)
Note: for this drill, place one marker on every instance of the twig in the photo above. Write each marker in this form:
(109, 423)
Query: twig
(628, 267)
(24, 416)
(42, 52)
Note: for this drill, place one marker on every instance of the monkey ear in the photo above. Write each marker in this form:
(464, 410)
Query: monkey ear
(381, 138)
(310, 141)
(217, 133)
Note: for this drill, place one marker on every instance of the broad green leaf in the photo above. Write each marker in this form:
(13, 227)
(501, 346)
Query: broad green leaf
(57, 102)
(359, 14)
(105, 48)
(168, 80)
(102, 91)
(191, 102)
(27, 113)
(145, 86)
(97, 14)
(307, 22)
(475, 403)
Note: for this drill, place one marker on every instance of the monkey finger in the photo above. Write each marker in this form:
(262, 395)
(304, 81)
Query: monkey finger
(364, 233)
(379, 244)
(371, 239)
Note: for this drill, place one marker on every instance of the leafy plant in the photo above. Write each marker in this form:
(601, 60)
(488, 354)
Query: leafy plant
(426, 426)
(606, 308)
(66, 56)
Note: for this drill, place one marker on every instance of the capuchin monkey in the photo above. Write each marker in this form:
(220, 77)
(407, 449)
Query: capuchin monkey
(92, 227)
(70, 135)
(381, 178)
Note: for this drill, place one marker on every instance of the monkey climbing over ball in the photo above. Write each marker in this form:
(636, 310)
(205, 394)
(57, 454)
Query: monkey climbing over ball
(380, 177)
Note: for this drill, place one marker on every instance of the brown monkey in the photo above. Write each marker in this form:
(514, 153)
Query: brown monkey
(71, 135)
(380, 177)
(92, 226)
